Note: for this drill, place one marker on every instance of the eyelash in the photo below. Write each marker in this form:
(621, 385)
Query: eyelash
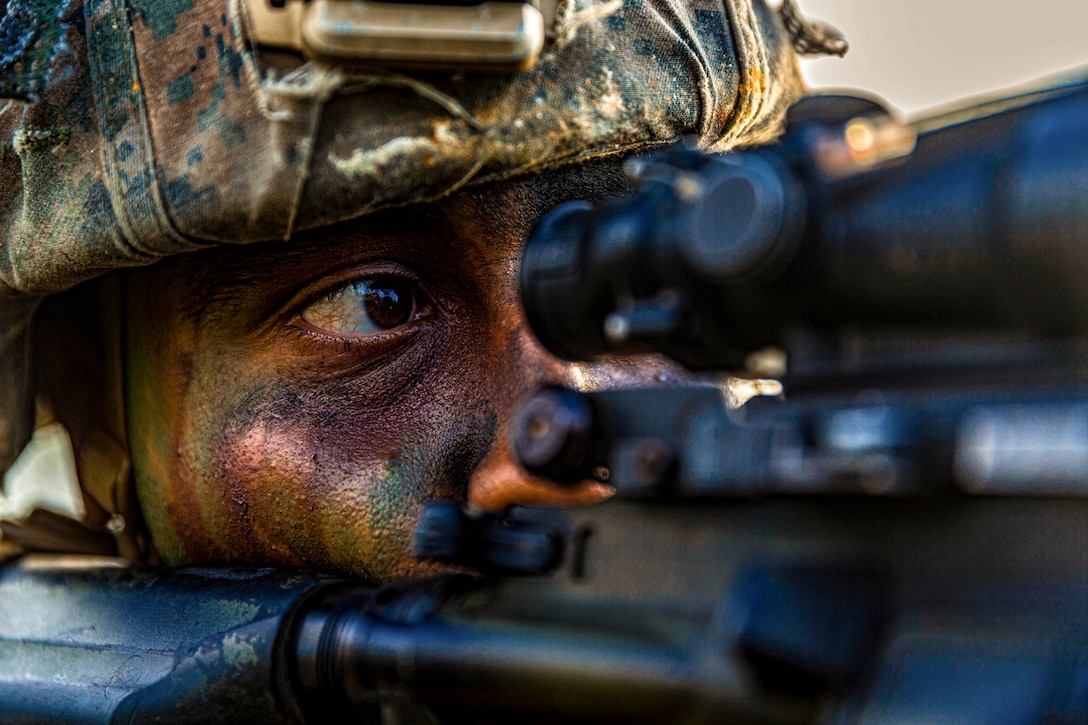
(364, 348)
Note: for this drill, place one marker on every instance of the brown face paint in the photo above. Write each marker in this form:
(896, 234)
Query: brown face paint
(259, 440)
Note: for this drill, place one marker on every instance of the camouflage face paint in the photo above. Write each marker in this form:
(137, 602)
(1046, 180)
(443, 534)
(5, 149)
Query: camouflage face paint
(260, 439)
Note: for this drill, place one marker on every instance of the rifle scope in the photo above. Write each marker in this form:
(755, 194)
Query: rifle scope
(981, 225)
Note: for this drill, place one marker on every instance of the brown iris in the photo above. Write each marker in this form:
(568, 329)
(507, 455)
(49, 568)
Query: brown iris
(388, 303)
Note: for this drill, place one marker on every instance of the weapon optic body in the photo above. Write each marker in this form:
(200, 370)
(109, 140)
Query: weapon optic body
(980, 228)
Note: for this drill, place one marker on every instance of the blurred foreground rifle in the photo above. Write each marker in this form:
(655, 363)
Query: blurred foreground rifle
(902, 536)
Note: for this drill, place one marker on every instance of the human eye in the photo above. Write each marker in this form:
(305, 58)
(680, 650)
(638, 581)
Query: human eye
(365, 307)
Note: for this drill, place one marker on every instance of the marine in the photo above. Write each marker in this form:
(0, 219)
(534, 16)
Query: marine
(269, 294)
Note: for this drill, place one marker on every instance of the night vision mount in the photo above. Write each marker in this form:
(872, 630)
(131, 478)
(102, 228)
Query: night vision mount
(498, 35)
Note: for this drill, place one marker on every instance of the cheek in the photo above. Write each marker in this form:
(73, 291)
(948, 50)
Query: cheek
(330, 486)
(270, 495)
(254, 463)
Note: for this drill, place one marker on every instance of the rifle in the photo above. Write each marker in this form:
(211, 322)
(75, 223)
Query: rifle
(900, 536)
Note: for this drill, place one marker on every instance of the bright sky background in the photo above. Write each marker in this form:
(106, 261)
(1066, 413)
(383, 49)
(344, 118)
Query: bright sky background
(919, 54)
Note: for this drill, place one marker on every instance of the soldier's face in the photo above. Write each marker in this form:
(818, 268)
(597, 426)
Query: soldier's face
(297, 403)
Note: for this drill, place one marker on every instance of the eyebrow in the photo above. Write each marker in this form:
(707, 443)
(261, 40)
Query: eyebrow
(221, 274)
(238, 273)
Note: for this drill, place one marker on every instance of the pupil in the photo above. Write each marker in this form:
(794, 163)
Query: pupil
(388, 304)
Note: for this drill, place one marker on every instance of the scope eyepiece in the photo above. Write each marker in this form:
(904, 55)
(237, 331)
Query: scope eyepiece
(632, 274)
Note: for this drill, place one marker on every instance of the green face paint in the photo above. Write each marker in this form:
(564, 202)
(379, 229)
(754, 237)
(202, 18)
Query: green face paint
(297, 404)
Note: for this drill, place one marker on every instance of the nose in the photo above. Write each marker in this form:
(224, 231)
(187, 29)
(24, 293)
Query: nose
(499, 480)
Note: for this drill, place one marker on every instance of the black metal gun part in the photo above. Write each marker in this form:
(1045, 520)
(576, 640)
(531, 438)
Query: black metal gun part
(978, 231)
